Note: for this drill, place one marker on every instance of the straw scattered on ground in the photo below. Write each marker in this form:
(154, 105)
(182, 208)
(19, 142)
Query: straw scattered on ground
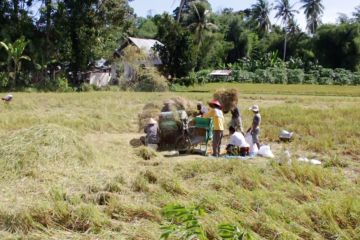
(27, 151)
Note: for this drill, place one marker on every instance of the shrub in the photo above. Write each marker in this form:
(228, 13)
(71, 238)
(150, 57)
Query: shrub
(355, 79)
(326, 76)
(278, 75)
(310, 79)
(325, 81)
(62, 85)
(86, 87)
(202, 76)
(342, 76)
(261, 76)
(295, 76)
(244, 76)
(4, 79)
(150, 80)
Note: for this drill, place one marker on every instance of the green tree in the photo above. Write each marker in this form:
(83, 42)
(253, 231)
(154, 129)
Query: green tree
(286, 12)
(338, 46)
(313, 10)
(15, 56)
(199, 23)
(178, 53)
(261, 15)
(356, 14)
(146, 28)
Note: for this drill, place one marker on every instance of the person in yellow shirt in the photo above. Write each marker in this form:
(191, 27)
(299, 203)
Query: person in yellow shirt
(218, 119)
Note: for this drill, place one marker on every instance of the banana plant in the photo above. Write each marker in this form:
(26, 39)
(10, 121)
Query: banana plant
(15, 57)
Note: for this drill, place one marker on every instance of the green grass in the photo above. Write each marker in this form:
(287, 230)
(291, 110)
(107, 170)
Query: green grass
(310, 90)
(68, 170)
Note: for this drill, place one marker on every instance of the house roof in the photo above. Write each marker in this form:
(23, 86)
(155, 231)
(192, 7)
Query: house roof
(145, 44)
(221, 73)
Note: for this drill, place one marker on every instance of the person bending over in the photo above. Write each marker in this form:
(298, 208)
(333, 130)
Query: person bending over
(237, 144)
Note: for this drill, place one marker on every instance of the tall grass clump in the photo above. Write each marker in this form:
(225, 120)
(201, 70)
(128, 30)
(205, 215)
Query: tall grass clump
(26, 151)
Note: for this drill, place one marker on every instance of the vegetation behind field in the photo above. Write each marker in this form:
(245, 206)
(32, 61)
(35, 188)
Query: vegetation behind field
(68, 170)
(54, 47)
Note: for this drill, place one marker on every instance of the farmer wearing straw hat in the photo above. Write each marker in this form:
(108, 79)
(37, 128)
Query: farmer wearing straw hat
(218, 118)
(152, 136)
(255, 127)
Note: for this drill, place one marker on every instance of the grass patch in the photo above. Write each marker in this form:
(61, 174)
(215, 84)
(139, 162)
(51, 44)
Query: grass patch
(25, 152)
(80, 143)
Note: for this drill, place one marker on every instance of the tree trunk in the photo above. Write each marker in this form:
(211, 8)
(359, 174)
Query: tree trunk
(48, 23)
(285, 43)
(182, 3)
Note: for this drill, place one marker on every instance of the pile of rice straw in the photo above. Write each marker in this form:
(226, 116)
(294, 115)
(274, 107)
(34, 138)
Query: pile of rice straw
(152, 110)
(228, 98)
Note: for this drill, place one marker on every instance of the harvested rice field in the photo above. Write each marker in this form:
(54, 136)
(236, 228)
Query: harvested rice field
(68, 170)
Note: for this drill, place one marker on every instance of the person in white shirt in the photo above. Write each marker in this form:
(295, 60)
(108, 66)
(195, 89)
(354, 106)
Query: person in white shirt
(237, 144)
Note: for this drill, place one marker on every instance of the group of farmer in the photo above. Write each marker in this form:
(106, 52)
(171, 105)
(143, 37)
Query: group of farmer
(236, 145)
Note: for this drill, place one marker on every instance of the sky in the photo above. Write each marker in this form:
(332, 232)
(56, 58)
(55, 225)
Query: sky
(331, 12)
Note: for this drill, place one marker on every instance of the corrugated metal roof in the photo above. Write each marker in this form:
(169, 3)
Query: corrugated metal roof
(221, 73)
(145, 44)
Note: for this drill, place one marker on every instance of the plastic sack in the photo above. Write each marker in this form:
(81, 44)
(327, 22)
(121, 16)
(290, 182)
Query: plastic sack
(312, 161)
(265, 151)
(253, 148)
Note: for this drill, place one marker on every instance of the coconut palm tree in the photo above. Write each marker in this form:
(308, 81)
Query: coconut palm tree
(356, 14)
(286, 13)
(181, 6)
(199, 22)
(260, 14)
(313, 10)
(15, 56)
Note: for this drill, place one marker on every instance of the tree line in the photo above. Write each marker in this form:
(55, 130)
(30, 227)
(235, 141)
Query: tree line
(63, 38)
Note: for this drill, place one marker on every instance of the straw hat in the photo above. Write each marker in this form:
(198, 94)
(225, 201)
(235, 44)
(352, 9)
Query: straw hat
(255, 108)
(152, 121)
(215, 103)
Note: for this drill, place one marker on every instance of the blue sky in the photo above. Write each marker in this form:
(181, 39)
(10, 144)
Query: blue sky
(332, 7)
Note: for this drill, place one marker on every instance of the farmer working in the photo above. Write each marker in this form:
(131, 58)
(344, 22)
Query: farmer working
(218, 118)
(237, 144)
(236, 121)
(255, 127)
(201, 109)
(152, 137)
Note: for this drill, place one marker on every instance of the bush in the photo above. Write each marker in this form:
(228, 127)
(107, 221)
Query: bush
(325, 81)
(278, 75)
(355, 80)
(326, 76)
(150, 80)
(86, 87)
(295, 76)
(146, 80)
(4, 79)
(62, 85)
(245, 76)
(261, 76)
(202, 76)
(310, 79)
(342, 76)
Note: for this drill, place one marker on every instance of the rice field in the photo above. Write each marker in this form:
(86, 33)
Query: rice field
(69, 172)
